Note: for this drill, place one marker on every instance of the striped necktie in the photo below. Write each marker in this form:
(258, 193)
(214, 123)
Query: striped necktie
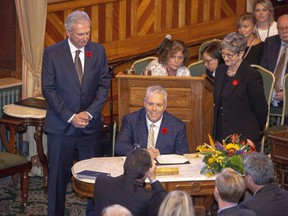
(280, 68)
(150, 143)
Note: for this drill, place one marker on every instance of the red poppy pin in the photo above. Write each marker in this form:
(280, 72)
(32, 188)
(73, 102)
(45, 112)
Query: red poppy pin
(164, 130)
(235, 82)
(89, 54)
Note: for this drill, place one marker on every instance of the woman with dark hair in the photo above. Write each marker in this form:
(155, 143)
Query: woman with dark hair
(171, 61)
(240, 103)
(212, 58)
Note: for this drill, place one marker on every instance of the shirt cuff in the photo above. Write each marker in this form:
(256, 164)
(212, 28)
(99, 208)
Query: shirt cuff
(155, 180)
(69, 120)
(91, 117)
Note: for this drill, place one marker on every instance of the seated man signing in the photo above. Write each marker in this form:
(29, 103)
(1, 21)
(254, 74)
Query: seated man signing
(128, 190)
(152, 128)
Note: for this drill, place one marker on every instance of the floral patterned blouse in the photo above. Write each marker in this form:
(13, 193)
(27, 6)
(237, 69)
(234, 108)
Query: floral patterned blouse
(158, 69)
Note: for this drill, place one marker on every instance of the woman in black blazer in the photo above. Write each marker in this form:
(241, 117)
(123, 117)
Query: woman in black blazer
(240, 103)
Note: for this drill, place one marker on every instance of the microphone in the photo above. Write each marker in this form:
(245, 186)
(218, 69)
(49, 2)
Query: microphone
(163, 44)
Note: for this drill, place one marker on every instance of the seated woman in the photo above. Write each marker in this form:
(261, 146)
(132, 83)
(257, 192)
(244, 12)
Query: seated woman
(171, 61)
(246, 25)
(212, 58)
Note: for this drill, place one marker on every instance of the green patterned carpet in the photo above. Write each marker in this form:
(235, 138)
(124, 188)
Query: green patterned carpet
(11, 202)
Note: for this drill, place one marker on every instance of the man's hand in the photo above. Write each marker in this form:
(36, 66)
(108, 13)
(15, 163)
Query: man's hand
(80, 120)
(279, 96)
(152, 172)
(153, 152)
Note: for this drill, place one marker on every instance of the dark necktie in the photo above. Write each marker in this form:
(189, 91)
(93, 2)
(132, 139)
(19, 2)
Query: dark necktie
(78, 66)
(280, 68)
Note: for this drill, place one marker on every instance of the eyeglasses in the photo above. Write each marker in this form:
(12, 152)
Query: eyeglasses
(229, 56)
(281, 29)
(208, 61)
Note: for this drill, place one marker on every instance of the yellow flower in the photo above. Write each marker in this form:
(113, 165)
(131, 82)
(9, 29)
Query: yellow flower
(232, 146)
(211, 160)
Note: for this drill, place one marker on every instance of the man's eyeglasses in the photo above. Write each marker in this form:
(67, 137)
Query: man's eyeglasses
(208, 61)
(282, 29)
(229, 56)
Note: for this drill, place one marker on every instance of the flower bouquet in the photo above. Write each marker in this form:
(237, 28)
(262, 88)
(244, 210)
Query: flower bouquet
(229, 153)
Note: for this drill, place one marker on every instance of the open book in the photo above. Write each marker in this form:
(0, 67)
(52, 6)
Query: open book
(172, 159)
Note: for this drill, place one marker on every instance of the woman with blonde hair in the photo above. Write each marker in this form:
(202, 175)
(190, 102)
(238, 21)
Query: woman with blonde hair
(176, 203)
(264, 14)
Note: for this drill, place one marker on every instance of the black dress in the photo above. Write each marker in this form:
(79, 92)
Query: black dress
(255, 54)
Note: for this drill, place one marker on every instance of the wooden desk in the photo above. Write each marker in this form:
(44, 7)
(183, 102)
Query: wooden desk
(189, 178)
(279, 155)
(31, 117)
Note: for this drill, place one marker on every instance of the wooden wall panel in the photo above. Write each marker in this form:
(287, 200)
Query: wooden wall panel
(130, 27)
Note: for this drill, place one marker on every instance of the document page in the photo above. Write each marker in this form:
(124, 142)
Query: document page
(172, 159)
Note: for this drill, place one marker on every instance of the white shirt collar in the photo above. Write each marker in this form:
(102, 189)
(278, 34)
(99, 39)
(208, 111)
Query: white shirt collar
(157, 124)
(73, 48)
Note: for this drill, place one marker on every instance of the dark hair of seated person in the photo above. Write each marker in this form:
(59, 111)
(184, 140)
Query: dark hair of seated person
(213, 50)
(137, 163)
(171, 49)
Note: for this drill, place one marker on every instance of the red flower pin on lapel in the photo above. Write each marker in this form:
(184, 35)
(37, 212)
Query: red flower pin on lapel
(235, 82)
(164, 130)
(89, 54)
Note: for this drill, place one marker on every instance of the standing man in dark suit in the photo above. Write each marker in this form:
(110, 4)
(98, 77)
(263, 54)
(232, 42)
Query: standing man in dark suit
(128, 190)
(273, 48)
(75, 96)
(268, 199)
(169, 131)
(229, 188)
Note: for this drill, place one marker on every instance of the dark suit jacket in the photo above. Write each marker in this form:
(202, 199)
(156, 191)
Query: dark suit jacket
(271, 52)
(244, 105)
(134, 130)
(128, 193)
(236, 211)
(269, 200)
(63, 92)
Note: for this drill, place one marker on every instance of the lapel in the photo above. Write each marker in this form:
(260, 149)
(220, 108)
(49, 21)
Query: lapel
(164, 124)
(238, 77)
(89, 58)
(220, 77)
(142, 132)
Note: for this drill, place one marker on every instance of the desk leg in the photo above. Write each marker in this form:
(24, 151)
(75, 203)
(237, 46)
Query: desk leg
(42, 157)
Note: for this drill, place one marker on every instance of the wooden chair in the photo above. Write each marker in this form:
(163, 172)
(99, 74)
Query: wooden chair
(140, 64)
(204, 45)
(11, 163)
(197, 68)
(268, 82)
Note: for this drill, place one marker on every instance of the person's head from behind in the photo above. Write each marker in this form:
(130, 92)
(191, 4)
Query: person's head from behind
(258, 169)
(174, 55)
(78, 28)
(233, 46)
(176, 203)
(116, 210)
(211, 56)
(229, 186)
(282, 26)
(246, 24)
(263, 11)
(155, 102)
(137, 164)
